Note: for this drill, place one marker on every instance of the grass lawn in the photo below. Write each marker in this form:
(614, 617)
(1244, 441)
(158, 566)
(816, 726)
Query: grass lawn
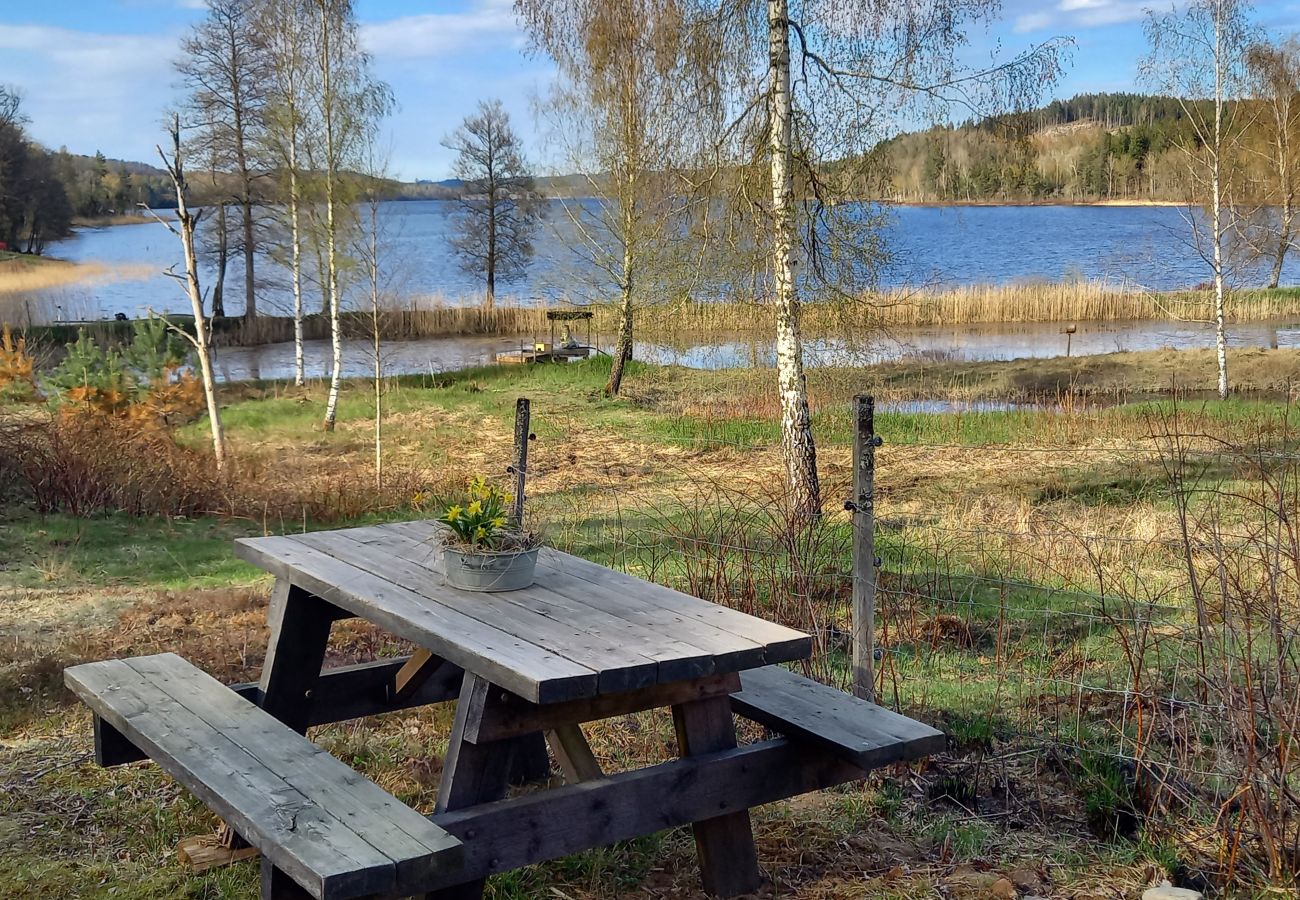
(992, 528)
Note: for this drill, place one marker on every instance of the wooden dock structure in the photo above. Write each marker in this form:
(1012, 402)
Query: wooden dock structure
(542, 352)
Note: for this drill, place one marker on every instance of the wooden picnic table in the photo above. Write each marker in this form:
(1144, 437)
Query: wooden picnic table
(525, 668)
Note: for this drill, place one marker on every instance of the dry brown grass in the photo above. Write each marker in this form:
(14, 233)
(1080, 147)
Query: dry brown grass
(1064, 302)
(26, 275)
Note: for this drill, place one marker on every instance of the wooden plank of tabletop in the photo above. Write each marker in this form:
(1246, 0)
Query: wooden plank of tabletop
(730, 652)
(782, 644)
(523, 613)
(737, 641)
(519, 665)
(679, 655)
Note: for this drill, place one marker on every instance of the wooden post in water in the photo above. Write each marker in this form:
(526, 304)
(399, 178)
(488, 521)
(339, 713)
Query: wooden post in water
(519, 467)
(862, 506)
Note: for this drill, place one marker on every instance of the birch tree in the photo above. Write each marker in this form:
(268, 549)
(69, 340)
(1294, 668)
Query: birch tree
(498, 207)
(1274, 72)
(290, 33)
(349, 103)
(186, 224)
(1198, 51)
(818, 84)
(634, 108)
(224, 68)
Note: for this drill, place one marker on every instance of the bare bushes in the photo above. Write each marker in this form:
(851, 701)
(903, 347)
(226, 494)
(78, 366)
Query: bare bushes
(738, 542)
(1235, 721)
(85, 463)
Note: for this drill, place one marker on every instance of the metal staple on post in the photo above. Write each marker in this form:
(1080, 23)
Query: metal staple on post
(862, 506)
(520, 464)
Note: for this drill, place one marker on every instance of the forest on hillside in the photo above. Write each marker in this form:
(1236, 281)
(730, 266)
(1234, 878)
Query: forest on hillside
(1091, 147)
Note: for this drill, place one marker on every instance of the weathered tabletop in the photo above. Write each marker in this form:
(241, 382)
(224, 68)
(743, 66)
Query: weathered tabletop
(579, 631)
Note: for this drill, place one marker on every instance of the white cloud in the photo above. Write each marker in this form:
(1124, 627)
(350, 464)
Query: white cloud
(441, 34)
(90, 90)
(1084, 14)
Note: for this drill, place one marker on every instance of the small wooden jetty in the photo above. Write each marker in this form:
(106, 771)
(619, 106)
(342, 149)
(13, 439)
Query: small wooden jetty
(542, 352)
(557, 349)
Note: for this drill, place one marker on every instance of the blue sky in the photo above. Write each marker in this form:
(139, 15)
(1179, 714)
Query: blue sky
(96, 74)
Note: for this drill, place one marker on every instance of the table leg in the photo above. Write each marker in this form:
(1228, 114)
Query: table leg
(300, 630)
(723, 844)
(474, 773)
(532, 762)
(278, 886)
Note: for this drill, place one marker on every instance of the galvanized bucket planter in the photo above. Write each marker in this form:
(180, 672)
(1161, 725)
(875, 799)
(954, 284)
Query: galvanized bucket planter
(498, 570)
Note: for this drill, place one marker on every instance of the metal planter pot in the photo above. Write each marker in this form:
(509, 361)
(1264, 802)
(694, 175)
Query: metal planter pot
(508, 570)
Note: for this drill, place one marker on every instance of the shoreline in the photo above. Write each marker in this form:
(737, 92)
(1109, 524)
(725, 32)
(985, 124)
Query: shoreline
(1117, 204)
(112, 221)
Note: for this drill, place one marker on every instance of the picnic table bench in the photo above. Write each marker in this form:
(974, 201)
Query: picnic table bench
(525, 669)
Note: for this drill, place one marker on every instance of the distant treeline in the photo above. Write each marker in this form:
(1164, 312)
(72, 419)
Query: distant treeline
(97, 187)
(42, 192)
(1089, 147)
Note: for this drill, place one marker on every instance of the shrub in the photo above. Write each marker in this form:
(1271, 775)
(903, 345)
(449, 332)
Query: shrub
(16, 368)
(145, 380)
(89, 461)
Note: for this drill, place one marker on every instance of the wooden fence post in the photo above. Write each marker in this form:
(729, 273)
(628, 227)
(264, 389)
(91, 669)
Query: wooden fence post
(519, 467)
(862, 505)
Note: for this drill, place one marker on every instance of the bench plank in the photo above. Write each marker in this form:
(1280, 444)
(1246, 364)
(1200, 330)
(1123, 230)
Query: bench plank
(867, 735)
(326, 826)
(343, 692)
(388, 824)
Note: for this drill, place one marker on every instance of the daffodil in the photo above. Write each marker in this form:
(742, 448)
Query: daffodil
(453, 513)
(475, 508)
(499, 522)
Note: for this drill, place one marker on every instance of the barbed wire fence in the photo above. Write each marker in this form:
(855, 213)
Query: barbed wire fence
(1156, 645)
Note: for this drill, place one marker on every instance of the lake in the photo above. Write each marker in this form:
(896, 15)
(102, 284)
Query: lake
(1142, 246)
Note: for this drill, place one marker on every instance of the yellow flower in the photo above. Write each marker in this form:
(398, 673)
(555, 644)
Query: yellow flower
(480, 533)
(453, 513)
(475, 508)
(499, 522)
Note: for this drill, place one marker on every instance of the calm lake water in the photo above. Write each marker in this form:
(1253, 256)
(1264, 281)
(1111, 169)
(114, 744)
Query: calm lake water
(1140, 246)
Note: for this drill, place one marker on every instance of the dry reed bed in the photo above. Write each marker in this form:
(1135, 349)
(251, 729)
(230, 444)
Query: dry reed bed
(1056, 302)
(25, 276)
(1062, 302)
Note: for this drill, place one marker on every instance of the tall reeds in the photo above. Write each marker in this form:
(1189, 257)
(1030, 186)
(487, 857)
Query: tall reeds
(1045, 302)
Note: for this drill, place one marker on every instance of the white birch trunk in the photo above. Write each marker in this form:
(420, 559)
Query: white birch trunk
(202, 348)
(374, 325)
(299, 364)
(797, 445)
(1216, 212)
(331, 236)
